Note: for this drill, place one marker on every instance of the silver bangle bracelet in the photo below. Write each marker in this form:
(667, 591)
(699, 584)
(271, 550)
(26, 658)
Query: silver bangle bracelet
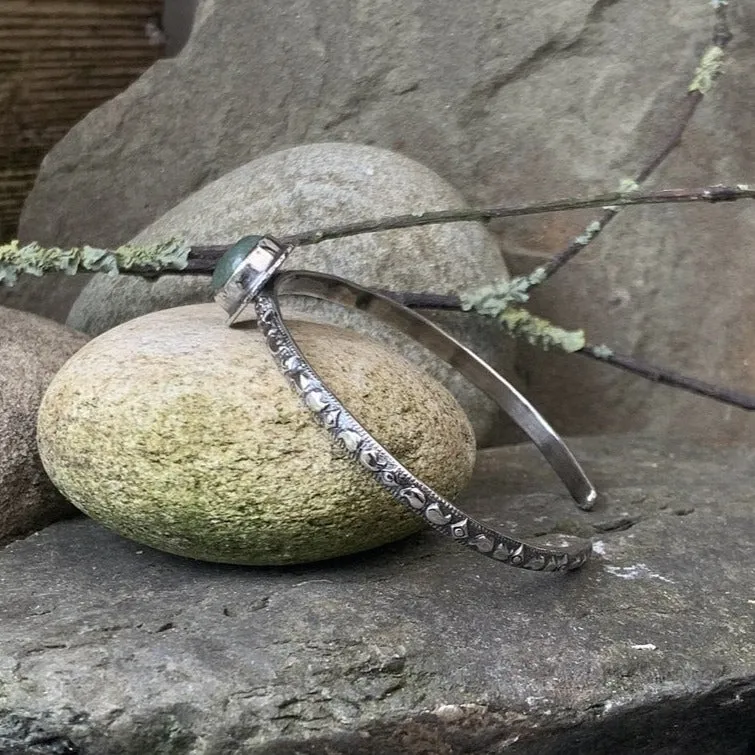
(249, 275)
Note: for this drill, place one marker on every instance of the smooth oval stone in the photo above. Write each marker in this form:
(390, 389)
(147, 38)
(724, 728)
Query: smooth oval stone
(179, 432)
(231, 259)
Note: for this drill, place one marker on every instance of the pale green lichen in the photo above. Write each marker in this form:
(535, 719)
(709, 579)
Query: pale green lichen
(627, 187)
(500, 300)
(709, 67)
(602, 351)
(494, 297)
(540, 332)
(589, 234)
(34, 259)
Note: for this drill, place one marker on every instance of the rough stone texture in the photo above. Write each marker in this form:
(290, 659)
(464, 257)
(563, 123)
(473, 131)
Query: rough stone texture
(315, 186)
(32, 350)
(419, 647)
(181, 433)
(508, 101)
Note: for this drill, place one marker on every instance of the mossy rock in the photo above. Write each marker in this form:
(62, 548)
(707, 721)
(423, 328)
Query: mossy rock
(179, 432)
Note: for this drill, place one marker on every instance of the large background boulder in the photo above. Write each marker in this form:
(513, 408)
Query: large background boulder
(507, 101)
(32, 350)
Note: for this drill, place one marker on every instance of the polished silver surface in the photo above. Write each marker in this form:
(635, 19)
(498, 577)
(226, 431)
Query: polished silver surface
(407, 489)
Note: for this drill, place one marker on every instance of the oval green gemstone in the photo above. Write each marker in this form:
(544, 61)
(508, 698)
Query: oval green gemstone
(228, 263)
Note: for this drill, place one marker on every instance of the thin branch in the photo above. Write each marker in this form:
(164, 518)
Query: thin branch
(707, 70)
(202, 258)
(175, 258)
(669, 377)
(710, 194)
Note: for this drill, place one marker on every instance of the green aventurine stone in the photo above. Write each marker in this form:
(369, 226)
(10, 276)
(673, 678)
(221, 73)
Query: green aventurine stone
(228, 263)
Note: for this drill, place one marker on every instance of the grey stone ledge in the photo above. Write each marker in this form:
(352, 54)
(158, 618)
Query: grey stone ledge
(109, 647)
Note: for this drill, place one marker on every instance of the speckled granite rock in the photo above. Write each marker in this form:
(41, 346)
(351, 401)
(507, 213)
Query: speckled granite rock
(32, 350)
(180, 432)
(319, 185)
(418, 648)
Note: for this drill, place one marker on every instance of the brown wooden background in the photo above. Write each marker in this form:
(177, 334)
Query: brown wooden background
(59, 59)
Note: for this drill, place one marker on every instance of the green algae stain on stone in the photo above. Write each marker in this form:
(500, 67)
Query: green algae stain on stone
(234, 256)
(180, 433)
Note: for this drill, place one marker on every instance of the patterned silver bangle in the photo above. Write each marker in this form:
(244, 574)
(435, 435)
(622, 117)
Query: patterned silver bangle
(248, 279)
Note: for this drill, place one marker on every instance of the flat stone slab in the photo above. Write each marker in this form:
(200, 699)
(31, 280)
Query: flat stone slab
(109, 647)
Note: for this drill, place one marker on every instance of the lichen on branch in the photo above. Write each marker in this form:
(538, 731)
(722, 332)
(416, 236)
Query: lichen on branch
(707, 70)
(34, 259)
(502, 301)
(492, 298)
(537, 331)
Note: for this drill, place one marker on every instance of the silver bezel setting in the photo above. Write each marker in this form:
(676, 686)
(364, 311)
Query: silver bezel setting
(251, 275)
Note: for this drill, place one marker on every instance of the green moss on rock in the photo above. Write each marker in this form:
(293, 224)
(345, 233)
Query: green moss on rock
(180, 433)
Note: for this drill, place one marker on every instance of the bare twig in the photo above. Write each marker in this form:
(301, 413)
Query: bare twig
(622, 198)
(202, 258)
(708, 68)
(669, 377)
